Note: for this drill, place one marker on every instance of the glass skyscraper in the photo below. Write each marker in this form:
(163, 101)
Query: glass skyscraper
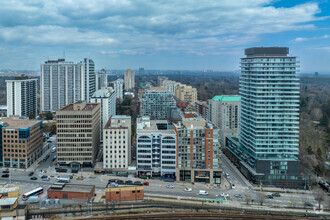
(269, 125)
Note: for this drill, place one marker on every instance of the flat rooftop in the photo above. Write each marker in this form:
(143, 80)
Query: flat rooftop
(19, 122)
(8, 201)
(72, 188)
(79, 106)
(152, 126)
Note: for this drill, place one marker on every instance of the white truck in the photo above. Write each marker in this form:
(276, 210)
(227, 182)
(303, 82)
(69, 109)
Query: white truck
(63, 179)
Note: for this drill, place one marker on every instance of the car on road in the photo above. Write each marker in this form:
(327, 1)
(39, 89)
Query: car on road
(233, 186)
(188, 189)
(5, 171)
(203, 192)
(170, 186)
(129, 182)
(238, 196)
(5, 176)
(33, 178)
(146, 183)
(308, 204)
(227, 175)
(276, 195)
(80, 178)
(112, 181)
(31, 173)
(270, 197)
(224, 195)
(54, 158)
(45, 178)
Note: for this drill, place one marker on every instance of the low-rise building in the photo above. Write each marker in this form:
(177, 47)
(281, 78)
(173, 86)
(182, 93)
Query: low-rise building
(186, 93)
(117, 142)
(156, 148)
(71, 192)
(203, 108)
(22, 141)
(115, 193)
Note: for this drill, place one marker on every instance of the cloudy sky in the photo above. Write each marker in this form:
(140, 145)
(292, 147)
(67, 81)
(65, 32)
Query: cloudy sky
(162, 34)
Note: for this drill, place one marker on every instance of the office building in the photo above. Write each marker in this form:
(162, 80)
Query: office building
(186, 93)
(117, 142)
(78, 134)
(101, 79)
(63, 82)
(224, 114)
(267, 148)
(106, 97)
(22, 96)
(157, 103)
(21, 141)
(129, 78)
(198, 151)
(156, 148)
(118, 86)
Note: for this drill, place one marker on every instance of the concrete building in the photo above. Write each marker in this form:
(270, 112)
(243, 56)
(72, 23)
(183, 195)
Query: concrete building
(129, 78)
(156, 148)
(22, 96)
(224, 113)
(62, 83)
(118, 86)
(106, 97)
(78, 133)
(21, 141)
(198, 151)
(202, 108)
(117, 142)
(186, 93)
(161, 79)
(122, 193)
(157, 103)
(269, 127)
(71, 192)
(169, 85)
(101, 79)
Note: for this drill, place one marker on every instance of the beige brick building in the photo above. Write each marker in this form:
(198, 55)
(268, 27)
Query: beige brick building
(21, 141)
(78, 133)
(186, 93)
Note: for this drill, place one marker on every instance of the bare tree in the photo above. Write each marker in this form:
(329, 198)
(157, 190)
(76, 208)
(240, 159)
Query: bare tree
(247, 199)
(319, 197)
(260, 198)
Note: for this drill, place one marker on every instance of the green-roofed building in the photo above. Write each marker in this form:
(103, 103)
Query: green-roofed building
(224, 113)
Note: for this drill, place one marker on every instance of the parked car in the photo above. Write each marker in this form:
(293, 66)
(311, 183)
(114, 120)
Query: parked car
(170, 186)
(138, 183)
(203, 192)
(5, 171)
(188, 189)
(112, 181)
(233, 186)
(276, 195)
(308, 204)
(33, 178)
(238, 196)
(146, 183)
(45, 178)
(270, 197)
(80, 178)
(120, 182)
(5, 176)
(129, 182)
(31, 173)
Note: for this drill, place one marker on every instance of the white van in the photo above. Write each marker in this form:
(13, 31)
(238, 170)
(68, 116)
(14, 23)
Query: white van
(54, 149)
(203, 192)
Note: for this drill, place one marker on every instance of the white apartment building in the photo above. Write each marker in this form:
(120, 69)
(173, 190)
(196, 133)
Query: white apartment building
(107, 99)
(22, 96)
(118, 86)
(156, 148)
(101, 79)
(129, 78)
(224, 114)
(117, 142)
(170, 85)
(62, 83)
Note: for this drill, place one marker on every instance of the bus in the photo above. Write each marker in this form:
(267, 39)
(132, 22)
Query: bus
(34, 192)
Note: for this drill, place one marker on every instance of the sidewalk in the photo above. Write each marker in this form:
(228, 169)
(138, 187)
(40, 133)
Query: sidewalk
(281, 190)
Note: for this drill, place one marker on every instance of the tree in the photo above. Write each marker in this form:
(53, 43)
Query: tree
(260, 198)
(319, 152)
(48, 116)
(324, 121)
(32, 116)
(319, 197)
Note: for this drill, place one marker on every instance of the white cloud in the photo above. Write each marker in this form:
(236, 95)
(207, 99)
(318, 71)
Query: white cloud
(302, 39)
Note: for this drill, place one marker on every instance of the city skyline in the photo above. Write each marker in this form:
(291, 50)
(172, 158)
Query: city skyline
(162, 35)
